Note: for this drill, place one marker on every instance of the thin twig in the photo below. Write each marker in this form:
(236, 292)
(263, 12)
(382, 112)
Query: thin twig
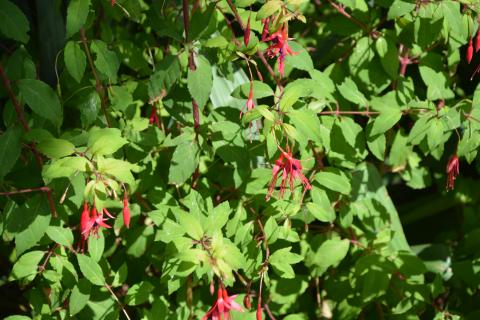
(267, 309)
(28, 190)
(98, 85)
(118, 301)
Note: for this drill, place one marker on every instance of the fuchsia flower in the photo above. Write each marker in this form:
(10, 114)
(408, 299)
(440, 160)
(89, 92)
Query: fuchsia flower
(279, 47)
(126, 211)
(91, 222)
(290, 169)
(224, 303)
(113, 2)
(154, 117)
(453, 170)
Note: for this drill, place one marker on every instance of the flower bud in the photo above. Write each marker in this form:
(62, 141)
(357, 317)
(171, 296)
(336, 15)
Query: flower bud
(470, 51)
(126, 212)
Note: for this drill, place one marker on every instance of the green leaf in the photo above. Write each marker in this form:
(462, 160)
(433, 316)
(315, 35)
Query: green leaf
(282, 259)
(42, 100)
(64, 167)
(200, 81)
(91, 270)
(330, 254)
(191, 225)
(138, 293)
(30, 223)
(106, 61)
(386, 120)
(63, 236)
(301, 59)
(27, 265)
(184, 162)
(14, 23)
(349, 90)
(96, 246)
(400, 8)
(105, 141)
(79, 297)
(308, 126)
(268, 9)
(77, 14)
(119, 169)
(335, 180)
(75, 60)
(56, 148)
(435, 133)
(320, 213)
(166, 75)
(10, 149)
(260, 90)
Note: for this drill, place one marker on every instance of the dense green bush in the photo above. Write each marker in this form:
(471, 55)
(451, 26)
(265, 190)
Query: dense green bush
(239, 159)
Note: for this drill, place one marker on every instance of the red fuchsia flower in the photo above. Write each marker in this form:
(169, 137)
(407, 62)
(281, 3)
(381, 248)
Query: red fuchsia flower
(113, 2)
(477, 42)
(154, 117)
(224, 303)
(126, 211)
(290, 170)
(453, 170)
(470, 51)
(279, 47)
(246, 34)
(90, 223)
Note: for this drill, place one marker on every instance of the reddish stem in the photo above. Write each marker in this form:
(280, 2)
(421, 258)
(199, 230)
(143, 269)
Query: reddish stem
(28, 190)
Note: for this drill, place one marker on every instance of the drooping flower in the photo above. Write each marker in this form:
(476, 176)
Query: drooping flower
(453, 170)
(154, 117)
(90, 222)
(126, 211)
(246, 34)
(470, 51)
(279, 47)
(222, 306)
(290, 170)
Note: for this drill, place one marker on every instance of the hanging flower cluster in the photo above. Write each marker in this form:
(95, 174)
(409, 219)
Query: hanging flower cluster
(91, 221)
(278, 44)
(222, 306)
(290, 170)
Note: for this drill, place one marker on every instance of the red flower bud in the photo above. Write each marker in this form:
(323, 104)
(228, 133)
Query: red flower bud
(246, 35)
(247, 301)
(126, 212)
(259, 312)
(470, 51)
(113, 2)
